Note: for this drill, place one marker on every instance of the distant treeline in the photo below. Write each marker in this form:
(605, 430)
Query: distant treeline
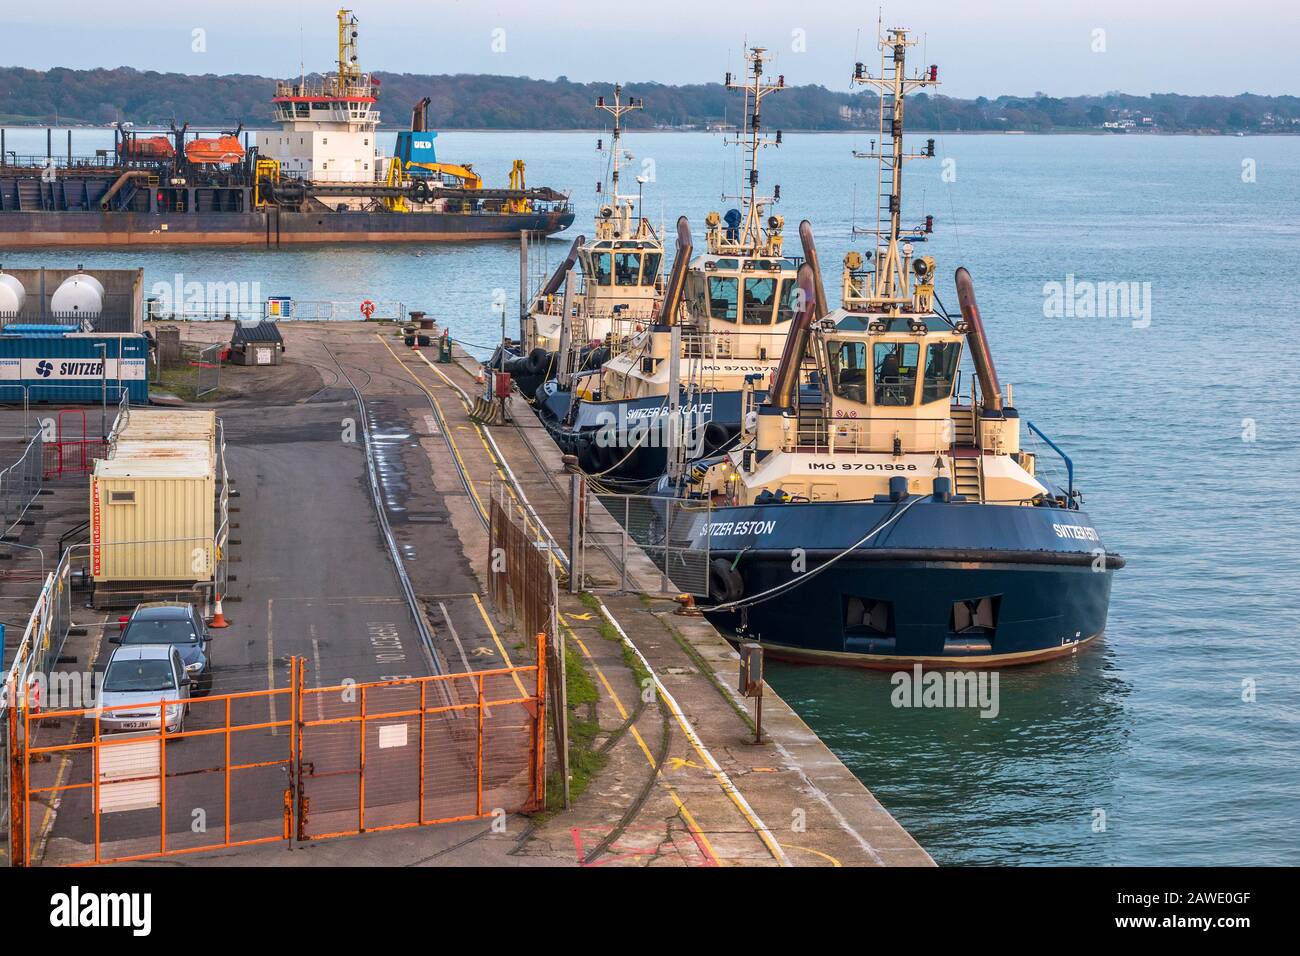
(465, 101)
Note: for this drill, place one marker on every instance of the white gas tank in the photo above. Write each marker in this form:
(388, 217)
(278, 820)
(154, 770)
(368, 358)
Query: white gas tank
(12, 295)
(79, 294)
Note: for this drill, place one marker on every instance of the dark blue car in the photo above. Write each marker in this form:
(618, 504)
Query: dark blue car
(171, 622)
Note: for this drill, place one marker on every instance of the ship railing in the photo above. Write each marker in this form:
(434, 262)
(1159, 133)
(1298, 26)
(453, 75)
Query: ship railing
(294, 310)
(764, 345)
(1069, 463)
(867, 435)
(103, 159)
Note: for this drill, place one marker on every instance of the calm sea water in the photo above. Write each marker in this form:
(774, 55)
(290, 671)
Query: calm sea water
(1184, 432)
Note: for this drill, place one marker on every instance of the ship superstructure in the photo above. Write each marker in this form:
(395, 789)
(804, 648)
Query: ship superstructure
(926, 532)
(328, 126)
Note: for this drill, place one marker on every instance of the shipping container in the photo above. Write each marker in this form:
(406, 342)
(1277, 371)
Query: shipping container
(168, 424)
(152, 513)
(68, 369)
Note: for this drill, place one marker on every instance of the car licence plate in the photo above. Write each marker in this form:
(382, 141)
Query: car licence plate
(136, 725)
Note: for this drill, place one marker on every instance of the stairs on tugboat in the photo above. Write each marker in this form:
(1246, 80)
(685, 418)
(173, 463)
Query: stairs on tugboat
(966, 457)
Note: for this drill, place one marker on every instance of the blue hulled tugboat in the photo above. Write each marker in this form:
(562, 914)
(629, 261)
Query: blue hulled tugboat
(720, 325)
(877, 517)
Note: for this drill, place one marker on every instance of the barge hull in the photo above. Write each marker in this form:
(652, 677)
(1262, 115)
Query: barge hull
(122, 229)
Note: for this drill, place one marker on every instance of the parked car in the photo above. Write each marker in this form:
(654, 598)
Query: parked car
(144, 674)
(172, 622)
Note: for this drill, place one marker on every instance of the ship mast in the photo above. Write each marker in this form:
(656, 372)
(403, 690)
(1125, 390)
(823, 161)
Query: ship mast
(349, 74)
(889, 287)
(617, 109)
(751, 238)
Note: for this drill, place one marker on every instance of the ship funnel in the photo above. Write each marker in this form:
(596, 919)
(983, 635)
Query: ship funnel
(557, 277)
(677, 278)
(796, 341)
(810, 256)
(979, 342)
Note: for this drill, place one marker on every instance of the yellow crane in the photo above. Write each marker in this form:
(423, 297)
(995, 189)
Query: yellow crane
(397, 174)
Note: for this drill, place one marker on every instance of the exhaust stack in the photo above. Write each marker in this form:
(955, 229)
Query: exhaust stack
(796, 341)
(810, 257)
(562, 270)
(984, 369)
(676, 283)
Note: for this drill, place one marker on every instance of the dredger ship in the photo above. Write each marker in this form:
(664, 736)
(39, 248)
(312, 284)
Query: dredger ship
(880, 517)
(319, 177)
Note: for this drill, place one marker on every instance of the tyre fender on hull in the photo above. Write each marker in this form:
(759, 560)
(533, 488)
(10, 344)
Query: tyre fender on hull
(725, 582)
(715, 436)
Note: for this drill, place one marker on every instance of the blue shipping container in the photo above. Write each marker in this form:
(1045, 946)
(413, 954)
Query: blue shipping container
(68, 369)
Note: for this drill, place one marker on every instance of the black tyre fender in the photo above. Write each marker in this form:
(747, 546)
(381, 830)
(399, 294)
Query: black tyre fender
(715, 436)
(538, 359)
(725, 583)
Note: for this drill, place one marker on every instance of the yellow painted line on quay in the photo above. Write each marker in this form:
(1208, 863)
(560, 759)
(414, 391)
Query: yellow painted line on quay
(764, 833)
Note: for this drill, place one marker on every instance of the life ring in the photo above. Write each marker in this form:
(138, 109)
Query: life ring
(367, 308)
(725, 582)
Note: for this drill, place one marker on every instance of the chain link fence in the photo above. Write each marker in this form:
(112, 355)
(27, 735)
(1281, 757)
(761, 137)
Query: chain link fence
(667, 531)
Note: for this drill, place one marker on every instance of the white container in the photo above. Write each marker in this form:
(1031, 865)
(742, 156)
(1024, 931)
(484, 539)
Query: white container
(169, 424)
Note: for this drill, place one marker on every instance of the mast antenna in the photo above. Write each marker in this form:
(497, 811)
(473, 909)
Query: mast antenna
(617, 109)
(750, 136)
(893, 249)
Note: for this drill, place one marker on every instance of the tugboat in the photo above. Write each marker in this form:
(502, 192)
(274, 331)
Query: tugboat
(619, 281)
(877, 518)
(720, 327)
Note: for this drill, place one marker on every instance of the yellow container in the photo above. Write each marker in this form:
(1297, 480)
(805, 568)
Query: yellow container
(152, 512)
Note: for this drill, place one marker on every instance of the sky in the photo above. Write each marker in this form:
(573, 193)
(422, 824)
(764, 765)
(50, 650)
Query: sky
(982, 48)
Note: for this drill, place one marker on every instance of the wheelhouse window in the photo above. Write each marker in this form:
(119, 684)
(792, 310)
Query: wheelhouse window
(650, 267)
(848, 367)
(895, 366)
(627, 268)
(760, 298)
(600, 270)
(722, 297)
(789, 302)
(940, 370)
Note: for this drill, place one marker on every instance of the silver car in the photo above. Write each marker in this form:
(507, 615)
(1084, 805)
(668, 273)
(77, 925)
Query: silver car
(139, 675)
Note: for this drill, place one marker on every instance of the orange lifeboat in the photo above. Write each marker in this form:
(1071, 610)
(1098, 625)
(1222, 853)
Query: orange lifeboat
(151, 147)
(221, 149)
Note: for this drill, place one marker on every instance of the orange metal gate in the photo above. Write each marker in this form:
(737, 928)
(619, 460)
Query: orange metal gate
(271, 765)
(89, 795)
(406, 753)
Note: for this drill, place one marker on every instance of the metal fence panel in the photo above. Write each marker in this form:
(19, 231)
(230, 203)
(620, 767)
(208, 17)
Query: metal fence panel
(208, 366)
(665, 531)
(20, 483)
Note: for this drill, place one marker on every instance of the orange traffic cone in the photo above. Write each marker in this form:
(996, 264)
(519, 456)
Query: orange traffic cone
(218, 619)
